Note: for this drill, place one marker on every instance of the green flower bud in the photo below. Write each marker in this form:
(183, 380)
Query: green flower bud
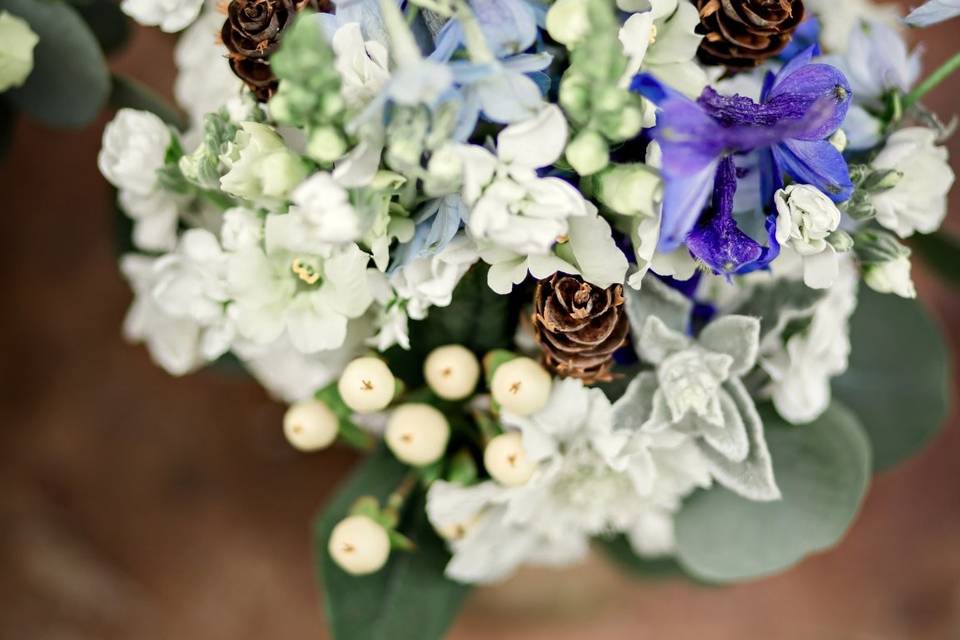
(574, 96)
(326, 145)
(588, 153)
(568, 21)
(841, 241)
(630, 190)
(874, 246)
(16, 56)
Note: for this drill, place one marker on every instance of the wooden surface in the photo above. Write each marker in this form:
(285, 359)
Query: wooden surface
(137, 506)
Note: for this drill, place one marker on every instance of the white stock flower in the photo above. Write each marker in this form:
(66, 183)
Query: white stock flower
(918, 202)
(805, 218)
(16, 57)
(322, 214)
(510, 205)
(801, 370)
(877, 61)
(418, 285)
(838, 19)
(173, 342)
(134, 149)
(308, 297)
(591, 479)
(204, 81)
(363, 65)
(169, 15)
(892, 276)
(661, 39)
(261, 167)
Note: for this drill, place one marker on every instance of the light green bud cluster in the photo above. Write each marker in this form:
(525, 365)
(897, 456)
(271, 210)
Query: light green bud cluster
(309, 93)
(875, 246)
(629, 189)
(868, 182)
(203, 167)
(414, 135)
(603, 112)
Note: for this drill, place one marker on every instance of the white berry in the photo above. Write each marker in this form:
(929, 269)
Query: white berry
(359, 545)
(310, 425)
(506, 460)
(417, 434)
(367, 385)
(452, 372)
(521, 386)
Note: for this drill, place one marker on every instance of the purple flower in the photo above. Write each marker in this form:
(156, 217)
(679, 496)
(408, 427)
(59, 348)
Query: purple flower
(800, 107)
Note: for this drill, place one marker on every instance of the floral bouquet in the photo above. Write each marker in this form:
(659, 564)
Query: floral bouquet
(630, 274)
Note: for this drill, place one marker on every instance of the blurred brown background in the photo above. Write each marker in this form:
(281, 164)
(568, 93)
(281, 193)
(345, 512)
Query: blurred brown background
(138, 506)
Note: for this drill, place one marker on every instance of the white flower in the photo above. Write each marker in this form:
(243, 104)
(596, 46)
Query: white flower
(16, 58)
(892, 276)
(918, 202)
(591, 479)
(134, 149)
(322, 214)
(510, 205)
(362, 65)
(173, 342)
(204, 81)
(662, 40)
(417, 286)
(241, 229)
(307, 297)
(261, 167)
(838, 19)
(805, 218)
(801, 370)
(169, 15)
(191, 283)
(135, 144)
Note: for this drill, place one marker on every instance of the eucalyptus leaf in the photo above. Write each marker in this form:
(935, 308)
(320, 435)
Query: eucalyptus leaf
(409, 599)
(898, 382)
(130, 94)
(70, 82)
(823, 470)
(108, 23)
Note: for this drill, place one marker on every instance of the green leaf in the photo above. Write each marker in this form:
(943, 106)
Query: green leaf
(619, 551)
(108, 23)
(70, 81)
(941, 252)
(477, 318)
(898, 380)
(823, 470)
(778, 304)
(128, 93)
(409, 599)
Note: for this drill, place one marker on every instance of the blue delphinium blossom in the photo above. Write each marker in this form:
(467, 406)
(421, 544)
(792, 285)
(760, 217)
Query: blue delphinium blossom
(800, 107)
(933, 12)
(806, 35)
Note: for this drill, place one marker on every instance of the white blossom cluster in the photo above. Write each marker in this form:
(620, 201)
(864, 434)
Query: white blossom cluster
(301, 242)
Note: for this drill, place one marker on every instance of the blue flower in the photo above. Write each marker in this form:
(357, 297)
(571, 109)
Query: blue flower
(800, 107)
(933, 12)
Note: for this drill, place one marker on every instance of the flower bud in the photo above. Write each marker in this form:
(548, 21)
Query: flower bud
(367, 385)
(588, 153)
(839, 140)
(417, 434)
(452, 372)
(326, 145)
(521, 386)
(574, 96)
(310, 425)
(568, 21)
(630, 190)
(892, 276)
(359, 545)
(506, 460)
(841, 241)
(16, 57)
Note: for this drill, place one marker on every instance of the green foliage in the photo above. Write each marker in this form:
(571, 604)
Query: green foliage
(779, 303)
(70, 81)
(477, 318)
(107, 22)
(898, 380)
(409, 599)
(823, 470)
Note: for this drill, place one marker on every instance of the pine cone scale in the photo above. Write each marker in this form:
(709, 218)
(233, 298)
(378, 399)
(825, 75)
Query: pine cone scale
(579, 326)
(744, 33)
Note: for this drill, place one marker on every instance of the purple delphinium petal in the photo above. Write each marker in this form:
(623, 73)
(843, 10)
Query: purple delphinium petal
(799, 61)
(767, 254)
(771, 177)
(817, 163)
(815, 86)
(717, 240)
(684, 197)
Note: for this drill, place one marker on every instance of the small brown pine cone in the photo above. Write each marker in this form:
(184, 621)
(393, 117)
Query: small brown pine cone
(579, 326)
(740, 34)
(252, 33)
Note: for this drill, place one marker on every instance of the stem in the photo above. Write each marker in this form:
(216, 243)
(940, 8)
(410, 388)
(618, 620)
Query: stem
(402, 492)
(932, 81)
(476, 42)
(405, 49)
